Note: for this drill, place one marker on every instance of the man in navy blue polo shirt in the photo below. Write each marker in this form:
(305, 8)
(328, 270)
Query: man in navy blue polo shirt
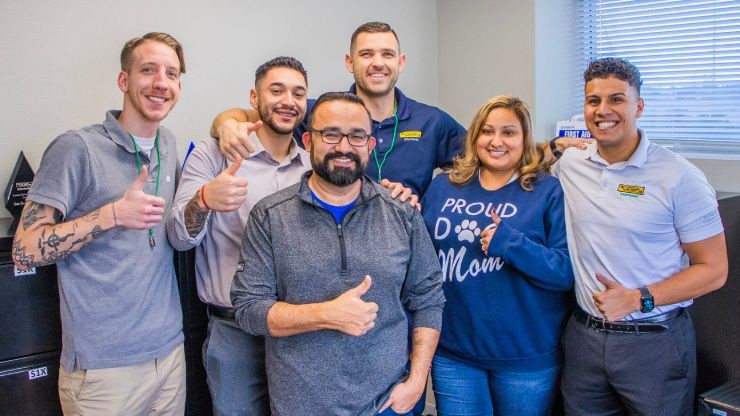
(412, 138)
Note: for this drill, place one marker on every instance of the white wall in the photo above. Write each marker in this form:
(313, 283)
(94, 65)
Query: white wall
(523, 48)
(555, 65)
(59, 59)
(511, 47)
(486, 48)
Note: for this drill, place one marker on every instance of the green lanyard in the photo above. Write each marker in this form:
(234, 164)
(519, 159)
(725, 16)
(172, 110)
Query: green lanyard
(152, 243)
(393, 142)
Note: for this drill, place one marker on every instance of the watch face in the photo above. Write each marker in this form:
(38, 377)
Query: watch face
(647, 304)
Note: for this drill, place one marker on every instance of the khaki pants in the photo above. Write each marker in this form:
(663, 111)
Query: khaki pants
(156, 387)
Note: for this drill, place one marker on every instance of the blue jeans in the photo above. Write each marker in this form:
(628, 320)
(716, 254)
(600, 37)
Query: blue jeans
(235, 370)
(462, 389)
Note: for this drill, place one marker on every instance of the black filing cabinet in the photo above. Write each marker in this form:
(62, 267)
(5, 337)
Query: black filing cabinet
(716, 315)
(30, 335)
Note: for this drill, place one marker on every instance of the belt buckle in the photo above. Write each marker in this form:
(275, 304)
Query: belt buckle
(595, 324)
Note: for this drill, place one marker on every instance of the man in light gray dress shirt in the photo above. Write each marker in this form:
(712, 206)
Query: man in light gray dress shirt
(210, 212)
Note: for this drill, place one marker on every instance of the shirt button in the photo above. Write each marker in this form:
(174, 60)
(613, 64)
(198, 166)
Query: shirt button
(380, 140)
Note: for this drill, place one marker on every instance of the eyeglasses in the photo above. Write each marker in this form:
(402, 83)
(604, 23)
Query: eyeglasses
(356, 139)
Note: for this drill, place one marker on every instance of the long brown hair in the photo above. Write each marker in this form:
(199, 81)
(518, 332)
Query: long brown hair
(466, 165)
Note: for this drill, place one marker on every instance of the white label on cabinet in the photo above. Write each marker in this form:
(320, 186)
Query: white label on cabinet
(28, 272)
(38, 372)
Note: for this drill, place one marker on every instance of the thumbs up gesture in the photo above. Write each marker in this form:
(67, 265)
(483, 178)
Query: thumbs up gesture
(352, 315)
(615, 301)
(226, 192)
(137, 209)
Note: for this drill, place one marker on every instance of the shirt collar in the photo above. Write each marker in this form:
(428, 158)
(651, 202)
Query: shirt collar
(638, 158)
(116, 132)
(294, 152)
(403, 109)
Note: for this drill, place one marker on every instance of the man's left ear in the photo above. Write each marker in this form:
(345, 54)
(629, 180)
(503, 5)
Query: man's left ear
(371, 144)
(348, 62)
(253, 99)
(640, 107)
(306, 138)
(401, 62)
(123, 81)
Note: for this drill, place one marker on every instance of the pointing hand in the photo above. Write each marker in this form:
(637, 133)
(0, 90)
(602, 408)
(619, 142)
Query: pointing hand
(234, 139)
(487, 235)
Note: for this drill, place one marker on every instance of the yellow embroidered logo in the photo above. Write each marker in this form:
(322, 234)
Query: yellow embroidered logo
(631, 190)
(410, 135)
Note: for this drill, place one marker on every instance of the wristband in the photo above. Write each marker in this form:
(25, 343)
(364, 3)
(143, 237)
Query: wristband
(203, 197)
(115, 220)
(554, 148)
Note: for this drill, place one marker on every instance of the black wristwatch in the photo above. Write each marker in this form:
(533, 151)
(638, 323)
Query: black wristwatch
(554, 148)
(647, 303)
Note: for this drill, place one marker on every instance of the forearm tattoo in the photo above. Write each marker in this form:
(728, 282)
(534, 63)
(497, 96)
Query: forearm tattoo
(53, 243)
(32, 212)
(195, 216)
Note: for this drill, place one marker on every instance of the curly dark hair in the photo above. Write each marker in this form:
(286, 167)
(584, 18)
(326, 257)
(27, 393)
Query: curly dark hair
(616, 67)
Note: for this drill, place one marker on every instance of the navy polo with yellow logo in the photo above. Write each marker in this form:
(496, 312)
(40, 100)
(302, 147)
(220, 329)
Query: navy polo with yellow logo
(425, 138)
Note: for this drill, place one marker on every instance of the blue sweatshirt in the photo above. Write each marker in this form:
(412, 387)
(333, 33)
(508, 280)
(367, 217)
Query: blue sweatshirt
(504, 310)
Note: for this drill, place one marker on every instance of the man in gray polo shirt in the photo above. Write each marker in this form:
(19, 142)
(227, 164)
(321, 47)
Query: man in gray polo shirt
(107, 186)
(210, 212)
(327, 268)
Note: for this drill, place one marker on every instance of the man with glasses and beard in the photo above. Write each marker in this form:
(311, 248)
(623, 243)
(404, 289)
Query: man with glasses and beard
(327, 267)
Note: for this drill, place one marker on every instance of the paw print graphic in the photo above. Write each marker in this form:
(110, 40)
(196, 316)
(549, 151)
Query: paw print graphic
(467, 231)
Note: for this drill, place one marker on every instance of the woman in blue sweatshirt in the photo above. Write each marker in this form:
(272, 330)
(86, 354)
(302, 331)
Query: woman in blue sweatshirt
(496, 221)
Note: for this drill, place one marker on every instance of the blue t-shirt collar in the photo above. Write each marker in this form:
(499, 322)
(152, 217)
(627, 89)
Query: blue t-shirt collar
(337, 211)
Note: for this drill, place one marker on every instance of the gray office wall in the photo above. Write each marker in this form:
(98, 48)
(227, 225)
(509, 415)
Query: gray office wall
(59, 59)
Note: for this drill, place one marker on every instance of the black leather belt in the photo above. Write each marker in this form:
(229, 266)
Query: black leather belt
(221, 312)
(648, 325)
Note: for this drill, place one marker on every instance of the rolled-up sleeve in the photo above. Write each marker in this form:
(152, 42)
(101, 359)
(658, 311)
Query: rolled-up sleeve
(201, 167)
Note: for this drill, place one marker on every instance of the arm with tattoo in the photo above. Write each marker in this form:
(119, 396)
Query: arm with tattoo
(195, 215)
(41, 239)
(226, 192)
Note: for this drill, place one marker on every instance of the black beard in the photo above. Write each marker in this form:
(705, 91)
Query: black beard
(267, 120)
(339, 176)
